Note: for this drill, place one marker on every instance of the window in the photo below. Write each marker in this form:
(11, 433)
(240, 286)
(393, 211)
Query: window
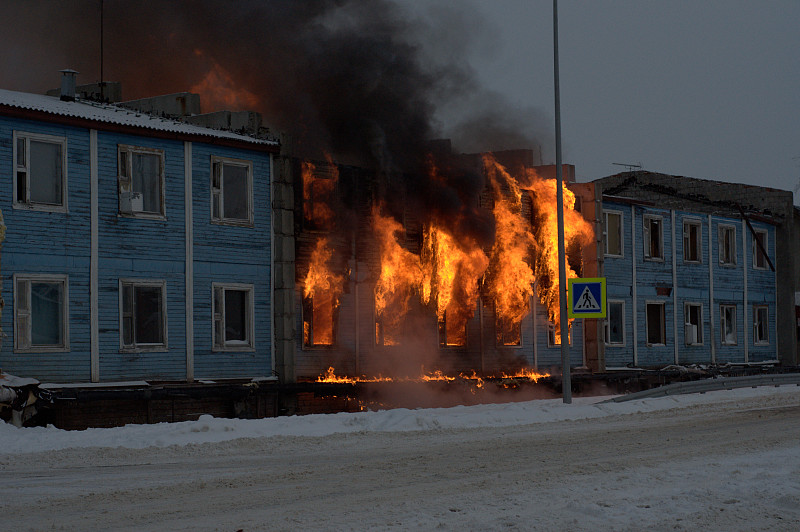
(693, 323)
(319, 194)
(692, 241)
(655, 324)
(231, 191)
(141, 181)
(143, 315)
(507, 333)
(554, 338)
(727, 326)
(760, 249)
(615, 323)
(760, 325)
(40, 313)
(653, 238)
(452, 332)
(727, 245)
(233, 316)
(40, 171)
(612, 233)
(319, 319)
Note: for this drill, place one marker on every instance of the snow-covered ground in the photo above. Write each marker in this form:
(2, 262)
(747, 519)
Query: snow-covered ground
(726, 460)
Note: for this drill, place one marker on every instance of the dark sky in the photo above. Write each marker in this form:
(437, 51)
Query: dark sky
(705, 89)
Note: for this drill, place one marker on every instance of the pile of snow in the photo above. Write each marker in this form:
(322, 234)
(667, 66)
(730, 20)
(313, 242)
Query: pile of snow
(207, 429)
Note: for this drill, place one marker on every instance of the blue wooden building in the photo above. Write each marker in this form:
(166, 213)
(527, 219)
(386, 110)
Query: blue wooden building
(692, 268)
(137, 247)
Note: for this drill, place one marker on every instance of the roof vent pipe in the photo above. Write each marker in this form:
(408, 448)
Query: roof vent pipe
(68, 85)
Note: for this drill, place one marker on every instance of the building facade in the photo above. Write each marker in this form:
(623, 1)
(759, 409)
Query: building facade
(138, 248)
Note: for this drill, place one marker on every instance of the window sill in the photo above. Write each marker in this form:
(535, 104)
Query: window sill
(654, 259)
(730, 265)
(614, 345)
(234, 223)
(143, 216)
(40, 207)
(695, 262)
(145, 349)
(234, 348)
(612, 256)
(35, 350)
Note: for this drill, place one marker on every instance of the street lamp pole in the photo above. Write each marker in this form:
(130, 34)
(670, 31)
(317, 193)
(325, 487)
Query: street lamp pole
(566, 381)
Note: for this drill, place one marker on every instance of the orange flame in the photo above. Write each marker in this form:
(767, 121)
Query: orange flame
(318, 188)
(400, 278)
(321, 290)
(218, 90)
(451, 270)
(511, 278)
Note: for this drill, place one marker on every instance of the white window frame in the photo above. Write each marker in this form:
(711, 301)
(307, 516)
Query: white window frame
(218, 340)
(757, 252)
(127, 201)
(606, 214)
(663, 306)
(23, 167)
(217, 186)
(135, 347)
(723, 308)
(22, 316)
(722, 231)
(687, 224)
(551, 334)
(647, 219)
(607, 324)
(686, 323)
(756, 339)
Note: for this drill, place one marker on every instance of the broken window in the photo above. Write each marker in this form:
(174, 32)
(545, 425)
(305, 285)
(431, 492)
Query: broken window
(653, 238)
(727, 318)
(615, 323)
(231, 191)
(319, 319)
(233, 316)
(692, 241)
(655, 324)
(760, 325)
(451, 332)
(40, 313)
(612, 233)
(40, 171)
(319, 187)
(727, 245)
(554, 336)
(508, 333)
(693, 323)
(141, 181)
(759, 249)
(143, 314)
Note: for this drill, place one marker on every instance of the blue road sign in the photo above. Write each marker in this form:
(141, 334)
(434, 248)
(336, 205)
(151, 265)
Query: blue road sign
(586, 297)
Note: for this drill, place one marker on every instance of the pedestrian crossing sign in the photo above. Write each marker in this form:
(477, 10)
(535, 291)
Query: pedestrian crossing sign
(586, 297)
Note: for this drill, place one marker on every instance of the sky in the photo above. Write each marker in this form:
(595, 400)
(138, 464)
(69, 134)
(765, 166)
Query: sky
(702, 89)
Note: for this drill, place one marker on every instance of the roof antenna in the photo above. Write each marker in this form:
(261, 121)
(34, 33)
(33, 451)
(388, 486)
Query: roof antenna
(102, 77)
(629, 166)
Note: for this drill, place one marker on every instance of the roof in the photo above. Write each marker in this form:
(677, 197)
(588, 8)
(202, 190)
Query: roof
(87, 112)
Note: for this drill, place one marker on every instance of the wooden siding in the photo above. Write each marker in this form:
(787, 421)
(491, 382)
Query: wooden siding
(135, 248)
(655, 284)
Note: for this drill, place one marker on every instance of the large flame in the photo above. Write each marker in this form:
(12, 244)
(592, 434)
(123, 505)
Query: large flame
(321, 290)
(511, 278)
(576, 229)
(451, 270)
(400, 278)
(318, 188)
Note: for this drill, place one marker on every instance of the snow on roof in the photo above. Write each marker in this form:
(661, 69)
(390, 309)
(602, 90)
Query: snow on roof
(113, 114)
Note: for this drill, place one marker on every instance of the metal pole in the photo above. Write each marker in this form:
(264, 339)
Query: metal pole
(566, 380)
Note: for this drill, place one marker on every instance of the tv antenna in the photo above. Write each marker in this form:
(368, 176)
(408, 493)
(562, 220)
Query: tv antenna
(629, 166)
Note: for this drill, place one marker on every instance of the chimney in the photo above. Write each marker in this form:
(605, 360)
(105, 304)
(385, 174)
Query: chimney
(68, 85)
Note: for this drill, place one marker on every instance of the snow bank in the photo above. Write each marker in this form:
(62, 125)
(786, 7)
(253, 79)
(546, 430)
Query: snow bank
(207, 429)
